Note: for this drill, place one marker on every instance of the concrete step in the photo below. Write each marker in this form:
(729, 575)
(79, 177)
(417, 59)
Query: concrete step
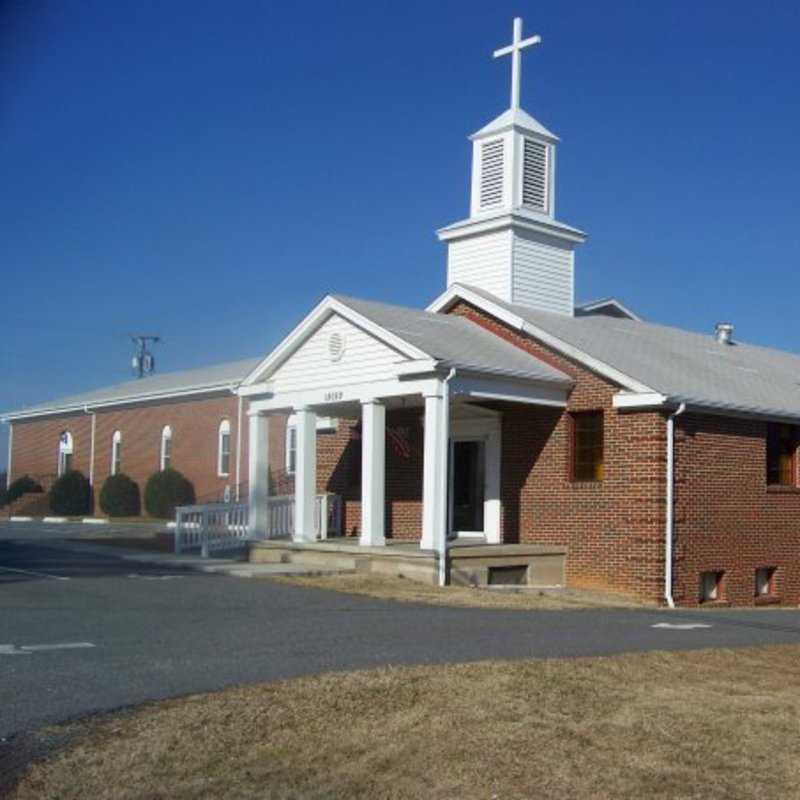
(306, 558)
(271, 570)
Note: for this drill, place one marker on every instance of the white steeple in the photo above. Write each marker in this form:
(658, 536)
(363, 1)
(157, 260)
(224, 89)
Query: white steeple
(511, 245)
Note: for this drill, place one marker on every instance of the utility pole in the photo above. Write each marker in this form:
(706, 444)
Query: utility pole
(143, 362)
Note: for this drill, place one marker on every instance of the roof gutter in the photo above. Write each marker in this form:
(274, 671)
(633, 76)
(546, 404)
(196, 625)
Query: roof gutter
(116, 401)
(670, 516)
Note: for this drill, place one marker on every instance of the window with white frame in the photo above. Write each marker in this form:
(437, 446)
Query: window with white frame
(224, 449)
(166, 448)
(291, 447)
(116, 453)
(65, 450)
(324, 425)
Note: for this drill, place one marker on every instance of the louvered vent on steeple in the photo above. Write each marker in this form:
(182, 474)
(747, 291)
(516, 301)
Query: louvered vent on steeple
(491, 188)
(534, 175)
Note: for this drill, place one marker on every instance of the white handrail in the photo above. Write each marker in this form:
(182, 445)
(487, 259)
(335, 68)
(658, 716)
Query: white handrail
(223, 526)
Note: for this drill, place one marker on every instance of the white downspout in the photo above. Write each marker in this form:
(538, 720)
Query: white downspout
(239, 447)
(445, 482)
(670, 517)
(91, 445)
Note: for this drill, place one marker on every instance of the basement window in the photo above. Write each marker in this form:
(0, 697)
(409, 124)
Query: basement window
(711, 587)
(782, 441)
(765, 582)
(587, 446)
(513, 575)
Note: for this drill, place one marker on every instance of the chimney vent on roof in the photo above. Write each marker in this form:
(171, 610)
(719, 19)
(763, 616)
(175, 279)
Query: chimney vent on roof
(723, 333)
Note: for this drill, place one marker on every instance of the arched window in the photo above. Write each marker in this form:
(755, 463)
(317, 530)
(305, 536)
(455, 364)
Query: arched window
(224, 449)
(291, 445)
(65, 448)
(116, 453)
(166, 448)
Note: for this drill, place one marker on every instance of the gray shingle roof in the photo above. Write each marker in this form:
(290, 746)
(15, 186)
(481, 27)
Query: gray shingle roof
(455, 341)
(684, 366)
(217, 376)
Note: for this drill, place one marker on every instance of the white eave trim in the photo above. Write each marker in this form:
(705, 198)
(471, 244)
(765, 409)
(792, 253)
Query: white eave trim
(326, 308)
(478, 224)
(167, 394)
(640, 400)
(457, 292)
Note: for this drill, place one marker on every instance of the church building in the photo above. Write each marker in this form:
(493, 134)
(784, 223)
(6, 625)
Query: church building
(662, 463)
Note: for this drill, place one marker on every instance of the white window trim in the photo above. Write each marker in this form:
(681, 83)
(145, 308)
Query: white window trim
(166, 436)
(65, 448)
(291, 428)
(323, 424)
(223, 430)
(116, 445)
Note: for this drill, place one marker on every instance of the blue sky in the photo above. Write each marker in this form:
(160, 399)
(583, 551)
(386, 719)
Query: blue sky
(207, 171)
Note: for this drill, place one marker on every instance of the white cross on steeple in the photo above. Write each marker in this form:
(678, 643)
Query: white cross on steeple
(515, 49)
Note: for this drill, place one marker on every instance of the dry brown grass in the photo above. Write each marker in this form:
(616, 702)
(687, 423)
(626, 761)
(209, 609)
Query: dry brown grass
(404, 590)
(664, 725)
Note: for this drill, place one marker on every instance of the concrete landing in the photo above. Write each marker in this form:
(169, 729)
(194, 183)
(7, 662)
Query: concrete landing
(469, 563)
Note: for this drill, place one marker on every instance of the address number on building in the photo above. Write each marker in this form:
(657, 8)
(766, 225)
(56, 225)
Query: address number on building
(331, 396)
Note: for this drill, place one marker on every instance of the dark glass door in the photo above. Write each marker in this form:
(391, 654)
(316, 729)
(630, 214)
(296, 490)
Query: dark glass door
(467, 485)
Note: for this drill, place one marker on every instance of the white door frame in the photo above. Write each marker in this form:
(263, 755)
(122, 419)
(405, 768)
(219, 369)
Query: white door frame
(482, 426)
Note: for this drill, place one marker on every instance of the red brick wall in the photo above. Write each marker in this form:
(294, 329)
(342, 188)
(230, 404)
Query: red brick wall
(195, 425)
(726, 518)
(614, 528)
(35, 446)
(338, 471)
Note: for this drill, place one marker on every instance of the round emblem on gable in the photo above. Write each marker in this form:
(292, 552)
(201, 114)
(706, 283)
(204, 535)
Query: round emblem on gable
(336, 344)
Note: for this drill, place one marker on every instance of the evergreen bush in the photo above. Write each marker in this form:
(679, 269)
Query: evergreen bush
(71, 495)
(120, 497)
(164, 491)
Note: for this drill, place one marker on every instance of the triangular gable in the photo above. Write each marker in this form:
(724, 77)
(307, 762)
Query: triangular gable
(333, 341)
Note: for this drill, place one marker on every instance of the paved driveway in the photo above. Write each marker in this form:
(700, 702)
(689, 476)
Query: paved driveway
(83, 632)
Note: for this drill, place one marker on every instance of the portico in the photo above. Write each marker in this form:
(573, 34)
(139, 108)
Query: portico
(349, 360)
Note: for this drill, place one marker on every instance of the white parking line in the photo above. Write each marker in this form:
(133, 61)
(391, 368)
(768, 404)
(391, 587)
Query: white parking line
(680, 626)
(29, 649)
(37, 574)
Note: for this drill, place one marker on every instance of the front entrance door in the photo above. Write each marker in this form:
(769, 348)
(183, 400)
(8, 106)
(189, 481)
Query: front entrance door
(467, 486)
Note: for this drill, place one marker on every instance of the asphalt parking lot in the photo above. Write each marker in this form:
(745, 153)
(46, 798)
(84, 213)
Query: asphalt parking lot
(84, 630)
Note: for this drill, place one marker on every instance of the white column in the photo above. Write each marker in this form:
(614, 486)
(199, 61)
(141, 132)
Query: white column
(373, 473)
(305, 476)
(258, 476)
(434, 473)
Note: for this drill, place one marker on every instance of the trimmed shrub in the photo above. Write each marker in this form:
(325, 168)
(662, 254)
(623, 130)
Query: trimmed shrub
(119, 497)
(21, 486)
(164, 491)
(71, 495)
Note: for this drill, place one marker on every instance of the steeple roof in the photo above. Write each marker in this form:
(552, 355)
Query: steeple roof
(515, 117)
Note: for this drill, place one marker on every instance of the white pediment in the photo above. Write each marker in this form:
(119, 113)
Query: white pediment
(337, 352)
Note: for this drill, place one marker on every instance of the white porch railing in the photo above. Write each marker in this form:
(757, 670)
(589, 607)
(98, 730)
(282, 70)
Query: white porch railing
(327, 516)
(223, 526)
(211, 527)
